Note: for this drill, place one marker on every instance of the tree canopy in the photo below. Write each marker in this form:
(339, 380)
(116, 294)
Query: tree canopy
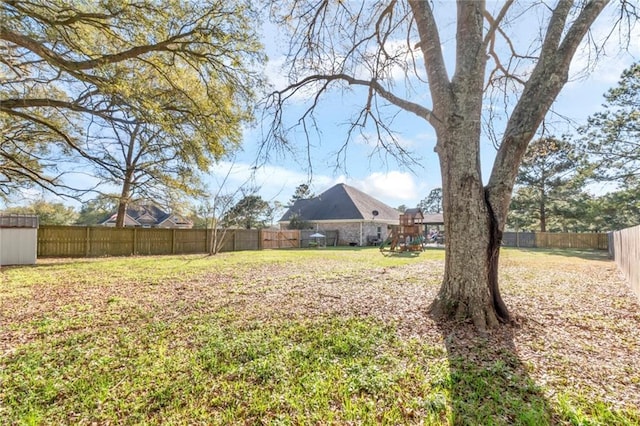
(97, 210)
(549, 176)
(302, 192)
(249, 212)
(433, 202)
(83, 73)
(48, 213)
(612, 136)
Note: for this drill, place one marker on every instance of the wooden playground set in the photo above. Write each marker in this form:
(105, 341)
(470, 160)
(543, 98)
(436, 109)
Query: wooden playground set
(408, 236)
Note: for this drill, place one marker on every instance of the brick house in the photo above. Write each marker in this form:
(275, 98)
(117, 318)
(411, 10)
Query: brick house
(149, 216)
(359, 218)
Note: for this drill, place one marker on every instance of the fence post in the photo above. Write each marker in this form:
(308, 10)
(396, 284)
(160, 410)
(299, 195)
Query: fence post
(235, 239)
(173, 241)
(260, 238)
(87, 242)
(135, 242)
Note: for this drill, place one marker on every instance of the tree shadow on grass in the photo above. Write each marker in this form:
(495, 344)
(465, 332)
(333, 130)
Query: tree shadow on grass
(489, 384)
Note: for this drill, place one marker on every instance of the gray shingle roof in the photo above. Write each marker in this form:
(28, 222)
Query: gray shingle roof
(141, 214)
(341, 202)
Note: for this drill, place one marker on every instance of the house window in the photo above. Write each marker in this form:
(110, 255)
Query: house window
(379, 232)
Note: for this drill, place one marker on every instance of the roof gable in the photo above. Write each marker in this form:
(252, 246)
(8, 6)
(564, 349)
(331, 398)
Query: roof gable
(147, 215)
(128, 220)
(341, 202)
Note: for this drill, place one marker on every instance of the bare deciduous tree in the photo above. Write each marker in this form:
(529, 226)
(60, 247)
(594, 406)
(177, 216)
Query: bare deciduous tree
(361, 46)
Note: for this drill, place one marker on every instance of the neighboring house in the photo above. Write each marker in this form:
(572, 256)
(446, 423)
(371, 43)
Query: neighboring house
(359, 218)
(149, 216)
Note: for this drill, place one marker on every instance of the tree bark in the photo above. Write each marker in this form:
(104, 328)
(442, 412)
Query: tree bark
(475, 216)
(543, 212)
(473, 232)
(128, 179)
(123, 202)
(473, 235)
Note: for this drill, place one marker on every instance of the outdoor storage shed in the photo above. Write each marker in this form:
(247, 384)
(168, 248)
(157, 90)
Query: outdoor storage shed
(18, 239)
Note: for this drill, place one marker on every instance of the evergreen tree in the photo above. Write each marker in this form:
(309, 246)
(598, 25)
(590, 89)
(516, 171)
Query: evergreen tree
(249, 213)
(433, 202)
(612, 136)
(548, 177)
(303, 192)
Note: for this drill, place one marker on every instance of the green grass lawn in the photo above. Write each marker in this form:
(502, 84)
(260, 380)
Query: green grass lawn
(325, 336)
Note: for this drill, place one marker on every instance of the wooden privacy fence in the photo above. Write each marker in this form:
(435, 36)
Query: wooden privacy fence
(91, 241)
(275, 239)
(76, 241)
(596, 241)
(330, 238)
(625, 249)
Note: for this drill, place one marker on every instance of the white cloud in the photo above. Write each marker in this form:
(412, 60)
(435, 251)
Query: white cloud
(272, 182)
(393, 187)
(278, 183)
(607, 68)
(274, 71)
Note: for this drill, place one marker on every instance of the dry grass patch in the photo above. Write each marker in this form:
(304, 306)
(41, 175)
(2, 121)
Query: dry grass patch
(313, 336)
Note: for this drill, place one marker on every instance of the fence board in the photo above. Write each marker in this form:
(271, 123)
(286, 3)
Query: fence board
(626, 253)
(80, 241)
(275, 239)
(191, 241)
(153, 241)
(568, 240)
(95, 241)
(331, 238)
(112, 241)
(519, 239)
(62, 241)
(246, 239)
(571, 240)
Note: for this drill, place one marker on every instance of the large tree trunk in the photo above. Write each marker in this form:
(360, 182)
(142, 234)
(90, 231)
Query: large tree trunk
(474, 214)
(127, 183)
(470, 285)
(473, 234)
(125, 196)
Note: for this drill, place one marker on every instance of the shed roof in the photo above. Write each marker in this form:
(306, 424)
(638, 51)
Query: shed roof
(341, 202)
(18, 221)
(433, 219)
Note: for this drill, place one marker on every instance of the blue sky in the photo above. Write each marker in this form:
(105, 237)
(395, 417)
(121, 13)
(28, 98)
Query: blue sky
(384, 178)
